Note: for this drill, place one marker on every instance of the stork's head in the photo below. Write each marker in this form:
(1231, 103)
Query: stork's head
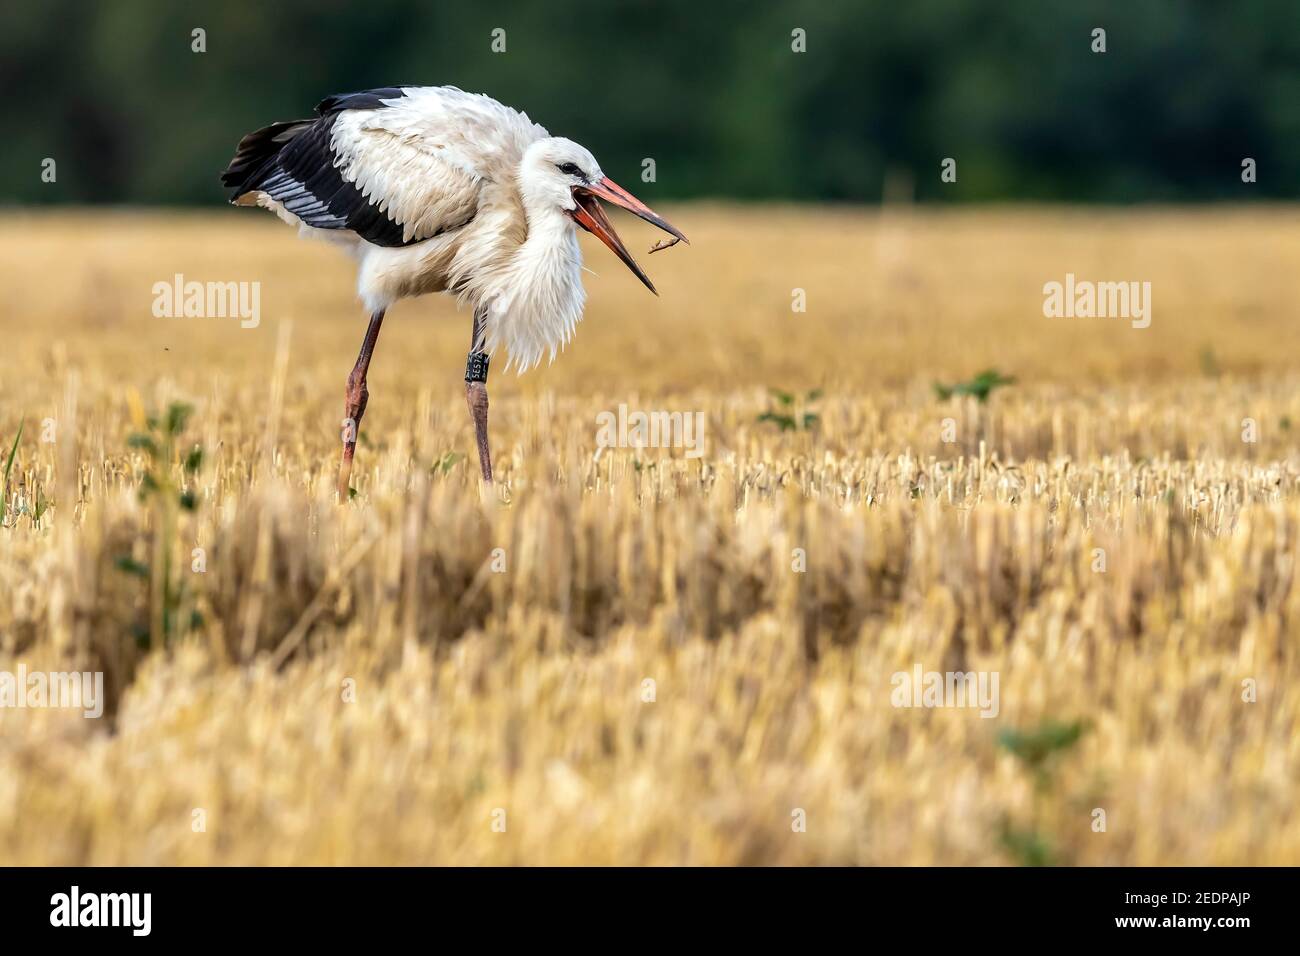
(560, 173)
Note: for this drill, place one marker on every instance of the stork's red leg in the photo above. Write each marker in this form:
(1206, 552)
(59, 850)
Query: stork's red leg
(357, 396)
(476, 396)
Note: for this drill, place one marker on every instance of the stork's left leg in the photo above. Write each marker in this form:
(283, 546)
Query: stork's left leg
(476, 396)
(357, 397)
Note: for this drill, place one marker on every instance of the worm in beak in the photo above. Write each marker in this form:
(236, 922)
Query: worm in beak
(589, 214)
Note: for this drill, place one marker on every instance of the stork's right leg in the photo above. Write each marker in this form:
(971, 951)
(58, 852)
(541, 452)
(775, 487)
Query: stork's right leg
(357, 396)
(476, 396)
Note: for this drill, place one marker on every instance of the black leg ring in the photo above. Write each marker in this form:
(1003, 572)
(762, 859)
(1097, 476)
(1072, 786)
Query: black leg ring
(476, 367)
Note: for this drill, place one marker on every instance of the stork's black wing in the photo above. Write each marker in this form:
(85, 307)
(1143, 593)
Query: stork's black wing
(295, 165)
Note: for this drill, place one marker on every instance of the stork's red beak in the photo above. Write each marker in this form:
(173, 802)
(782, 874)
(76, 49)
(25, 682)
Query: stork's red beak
(590, 216)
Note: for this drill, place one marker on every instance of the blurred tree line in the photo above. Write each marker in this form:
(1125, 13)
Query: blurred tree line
(712, 91)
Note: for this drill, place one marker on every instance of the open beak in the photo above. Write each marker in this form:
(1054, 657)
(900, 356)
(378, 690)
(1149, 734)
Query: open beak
(590, 216)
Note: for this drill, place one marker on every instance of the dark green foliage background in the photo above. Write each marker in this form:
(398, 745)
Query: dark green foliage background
(1010, 88)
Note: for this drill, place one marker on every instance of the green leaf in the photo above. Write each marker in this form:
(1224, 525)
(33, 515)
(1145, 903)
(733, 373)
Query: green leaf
(13, 451)
(178, 414)
(981, 386)
(448, 461)
(143, 441)
(1034, 746)
(194, 460)
(785, 422)
(785, 398)
(1027, 847)
(9, 467)
(130, 565)
(187, 500)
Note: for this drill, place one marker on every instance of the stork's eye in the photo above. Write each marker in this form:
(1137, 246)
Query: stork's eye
(569, 169)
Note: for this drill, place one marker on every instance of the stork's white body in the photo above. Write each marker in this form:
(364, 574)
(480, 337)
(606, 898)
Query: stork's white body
(436, 159)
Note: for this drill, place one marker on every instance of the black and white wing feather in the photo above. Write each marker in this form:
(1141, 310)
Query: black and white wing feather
(394, 166)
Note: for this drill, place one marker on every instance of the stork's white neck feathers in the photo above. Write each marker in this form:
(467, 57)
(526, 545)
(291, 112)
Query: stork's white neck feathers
(535, 301)
(533, 294)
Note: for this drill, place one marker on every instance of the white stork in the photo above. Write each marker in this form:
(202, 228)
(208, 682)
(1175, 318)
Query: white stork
(438, 190)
